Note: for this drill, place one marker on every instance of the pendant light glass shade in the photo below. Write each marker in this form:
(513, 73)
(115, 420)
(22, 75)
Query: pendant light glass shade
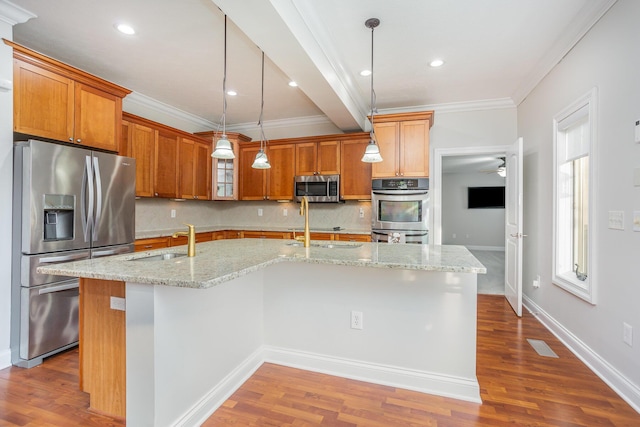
(372, 152)
(261, 161)
(224, 149)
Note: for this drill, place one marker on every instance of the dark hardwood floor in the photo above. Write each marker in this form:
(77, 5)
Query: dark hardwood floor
(518, 388)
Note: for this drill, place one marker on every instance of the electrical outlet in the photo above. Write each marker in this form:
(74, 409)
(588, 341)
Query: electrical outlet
(361, 212)
(536, 282)
(285, 212)
(356, 320)
(616, 220)
(117, 303)
(627, 334)
(173, 213)
(259, 212)
(453, 235)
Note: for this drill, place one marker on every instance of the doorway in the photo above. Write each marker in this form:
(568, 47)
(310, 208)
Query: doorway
(454, 223)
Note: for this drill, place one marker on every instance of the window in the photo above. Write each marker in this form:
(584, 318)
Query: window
(223, 186)
(573, 145)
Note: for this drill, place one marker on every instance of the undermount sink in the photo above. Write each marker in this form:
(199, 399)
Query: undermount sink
(161, 257)
(328, 245)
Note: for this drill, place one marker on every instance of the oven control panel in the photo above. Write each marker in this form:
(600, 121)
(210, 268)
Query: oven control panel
(400, 184)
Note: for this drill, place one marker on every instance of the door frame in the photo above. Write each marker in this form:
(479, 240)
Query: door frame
(435, 188)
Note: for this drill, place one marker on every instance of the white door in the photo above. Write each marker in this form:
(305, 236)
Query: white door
(513, 228)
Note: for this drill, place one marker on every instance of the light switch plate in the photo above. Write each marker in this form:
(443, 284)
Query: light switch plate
(636, 177)
(616, 220)
(638, 131)
(636, 221)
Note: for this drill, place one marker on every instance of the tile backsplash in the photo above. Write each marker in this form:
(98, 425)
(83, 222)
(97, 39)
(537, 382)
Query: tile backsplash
(155, 214)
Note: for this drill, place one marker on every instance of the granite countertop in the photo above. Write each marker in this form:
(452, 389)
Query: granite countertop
(219, 261)
(205, 229)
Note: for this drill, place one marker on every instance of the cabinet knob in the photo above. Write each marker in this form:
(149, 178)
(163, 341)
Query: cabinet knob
(155, 194)
(71, 138)
(78, 140)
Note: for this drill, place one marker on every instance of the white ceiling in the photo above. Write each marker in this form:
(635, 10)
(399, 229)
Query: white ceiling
(495, 52)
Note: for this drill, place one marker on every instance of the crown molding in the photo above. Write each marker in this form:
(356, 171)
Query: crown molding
(13, 14)
(282, 123)
(140, 100)
(455, 107)
(580, 26)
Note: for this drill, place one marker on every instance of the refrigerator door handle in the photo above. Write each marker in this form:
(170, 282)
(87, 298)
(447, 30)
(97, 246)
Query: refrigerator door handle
(87, 206)
(58, 288)
(96, 171)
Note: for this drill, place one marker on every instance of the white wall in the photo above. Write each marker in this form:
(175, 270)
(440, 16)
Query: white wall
(608, 58)
(481, 128)
(6, 178)
(472, 227)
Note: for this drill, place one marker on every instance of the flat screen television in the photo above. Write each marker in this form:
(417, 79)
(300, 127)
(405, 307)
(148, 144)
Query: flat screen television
(485, 197)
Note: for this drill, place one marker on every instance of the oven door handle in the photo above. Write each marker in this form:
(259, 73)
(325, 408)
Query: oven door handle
(400, 192)
(389, 232)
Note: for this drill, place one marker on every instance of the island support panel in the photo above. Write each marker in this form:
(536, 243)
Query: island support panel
(189, 349)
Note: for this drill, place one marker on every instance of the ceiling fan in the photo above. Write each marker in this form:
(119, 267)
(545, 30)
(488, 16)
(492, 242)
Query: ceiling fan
(500, 170)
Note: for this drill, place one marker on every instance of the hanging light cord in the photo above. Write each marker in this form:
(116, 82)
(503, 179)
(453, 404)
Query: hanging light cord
(224, 81)
(373, 97)
(263, 138)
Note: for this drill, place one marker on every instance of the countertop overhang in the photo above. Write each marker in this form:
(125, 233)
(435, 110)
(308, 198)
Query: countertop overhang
(223, 260)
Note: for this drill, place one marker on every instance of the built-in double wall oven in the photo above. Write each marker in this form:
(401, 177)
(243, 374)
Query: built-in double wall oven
(400, 210)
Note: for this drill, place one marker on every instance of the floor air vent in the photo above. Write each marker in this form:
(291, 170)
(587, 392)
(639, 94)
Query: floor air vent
(542, 348)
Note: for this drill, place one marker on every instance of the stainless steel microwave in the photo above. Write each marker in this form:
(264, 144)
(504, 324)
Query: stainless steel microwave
(317, 188)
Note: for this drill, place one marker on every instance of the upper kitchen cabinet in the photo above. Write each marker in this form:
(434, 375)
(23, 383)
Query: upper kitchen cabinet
(403, 140)
(155, 148)
(194, 175)
(225, 171)
(318, 158)
(56, 101)
(275, 183)
(355, 175)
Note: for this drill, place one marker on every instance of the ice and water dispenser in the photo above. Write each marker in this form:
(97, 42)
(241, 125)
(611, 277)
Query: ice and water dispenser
(58, 216)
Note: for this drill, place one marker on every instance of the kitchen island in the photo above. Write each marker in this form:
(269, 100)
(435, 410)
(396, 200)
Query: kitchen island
(197, 328)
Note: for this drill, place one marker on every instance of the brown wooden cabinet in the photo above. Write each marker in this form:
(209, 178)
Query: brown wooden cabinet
(344, 237)
(151, 243)
(205, 236)
(275, 183)
(318, 158)
(56, 101)
(403, 140)
(141, 146)
(355, 175)
(194, 173)
(252, 234)
(165, 170)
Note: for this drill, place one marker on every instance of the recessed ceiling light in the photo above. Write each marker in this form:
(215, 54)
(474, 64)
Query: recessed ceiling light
(232, 93)
(293, 84)
(125, 29)
(436, 63)
(365, 73)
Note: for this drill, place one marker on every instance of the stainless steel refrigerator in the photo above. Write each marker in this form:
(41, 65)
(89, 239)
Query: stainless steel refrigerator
(69, 204)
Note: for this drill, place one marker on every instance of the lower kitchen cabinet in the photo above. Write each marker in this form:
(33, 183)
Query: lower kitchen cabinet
(353, 237)
(183, 240)
(266, 234)
(151, 243)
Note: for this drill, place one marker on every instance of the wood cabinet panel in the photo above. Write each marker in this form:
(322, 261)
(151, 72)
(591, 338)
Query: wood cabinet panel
(187, 169)
(202, 172)
(329, 157)
(141, 245)
(414, 146)
(252, 182)
(306, 158)
(165, 181)
(355, 175)
(97, 118)
(252, 234)
(102, 343)
(388, 139)
(43, 102)
(232, 234)
(317, 158)
(142, 148)
(281, 175)
(205, 236)
(353, 237)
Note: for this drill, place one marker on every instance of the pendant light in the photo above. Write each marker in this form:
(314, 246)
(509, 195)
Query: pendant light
(261, 161)
(224, 150)
(372, 152)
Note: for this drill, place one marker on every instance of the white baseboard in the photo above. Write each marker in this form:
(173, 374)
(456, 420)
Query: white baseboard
(627, 390)
(485, 248)
(425, 382)
(421, 381)
(5, 358)
(203, 409)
